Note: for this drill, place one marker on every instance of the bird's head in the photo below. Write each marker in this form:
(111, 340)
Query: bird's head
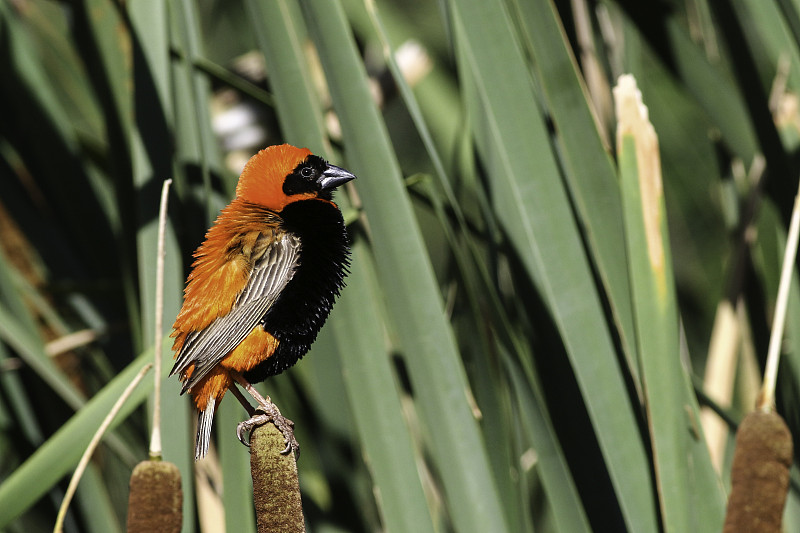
(279, 175)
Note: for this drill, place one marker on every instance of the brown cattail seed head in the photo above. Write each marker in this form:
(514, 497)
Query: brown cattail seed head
(155, 502)
(759, 475)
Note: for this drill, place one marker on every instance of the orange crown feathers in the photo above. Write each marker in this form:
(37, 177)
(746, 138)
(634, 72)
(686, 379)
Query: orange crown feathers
(262, 178)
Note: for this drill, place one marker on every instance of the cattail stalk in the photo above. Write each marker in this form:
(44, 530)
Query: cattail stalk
(155, 500)
(155, 437)
(760, 470)
(276, 490)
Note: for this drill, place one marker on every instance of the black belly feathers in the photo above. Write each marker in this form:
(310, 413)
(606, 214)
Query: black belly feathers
(302, 308)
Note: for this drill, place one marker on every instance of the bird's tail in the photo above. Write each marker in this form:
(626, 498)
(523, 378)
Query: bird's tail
(204, 421)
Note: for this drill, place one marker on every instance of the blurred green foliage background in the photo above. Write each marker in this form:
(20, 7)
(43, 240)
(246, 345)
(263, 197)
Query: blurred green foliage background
(500, 360)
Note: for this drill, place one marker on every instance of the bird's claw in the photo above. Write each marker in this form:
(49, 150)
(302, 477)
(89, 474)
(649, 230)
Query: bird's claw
(265, 414)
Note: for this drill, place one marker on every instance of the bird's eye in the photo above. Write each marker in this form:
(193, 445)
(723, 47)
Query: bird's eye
(306, 172)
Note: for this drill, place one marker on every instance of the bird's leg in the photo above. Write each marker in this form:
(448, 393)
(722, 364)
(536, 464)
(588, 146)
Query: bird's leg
(269, 412)
(239, 378)
(242, 400)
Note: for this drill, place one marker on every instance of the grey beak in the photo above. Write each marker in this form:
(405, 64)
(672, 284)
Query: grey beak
(333, 177)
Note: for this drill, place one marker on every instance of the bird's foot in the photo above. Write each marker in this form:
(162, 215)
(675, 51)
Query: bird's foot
(265, 414)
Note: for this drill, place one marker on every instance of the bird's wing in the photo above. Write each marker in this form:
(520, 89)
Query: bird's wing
(270, 275)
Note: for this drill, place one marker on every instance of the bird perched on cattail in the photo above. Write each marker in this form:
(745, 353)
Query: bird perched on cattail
(262, 285)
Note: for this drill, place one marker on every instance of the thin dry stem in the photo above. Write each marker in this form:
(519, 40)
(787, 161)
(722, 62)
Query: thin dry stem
(766, 400)
(595, 80)
(719, 378)
(155, 437)
(87, 454)
(70, 342)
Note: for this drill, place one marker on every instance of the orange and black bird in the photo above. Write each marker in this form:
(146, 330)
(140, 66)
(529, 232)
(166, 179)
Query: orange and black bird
(262, 284)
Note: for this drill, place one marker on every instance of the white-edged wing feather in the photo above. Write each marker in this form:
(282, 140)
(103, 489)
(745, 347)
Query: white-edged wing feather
(271, 273)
